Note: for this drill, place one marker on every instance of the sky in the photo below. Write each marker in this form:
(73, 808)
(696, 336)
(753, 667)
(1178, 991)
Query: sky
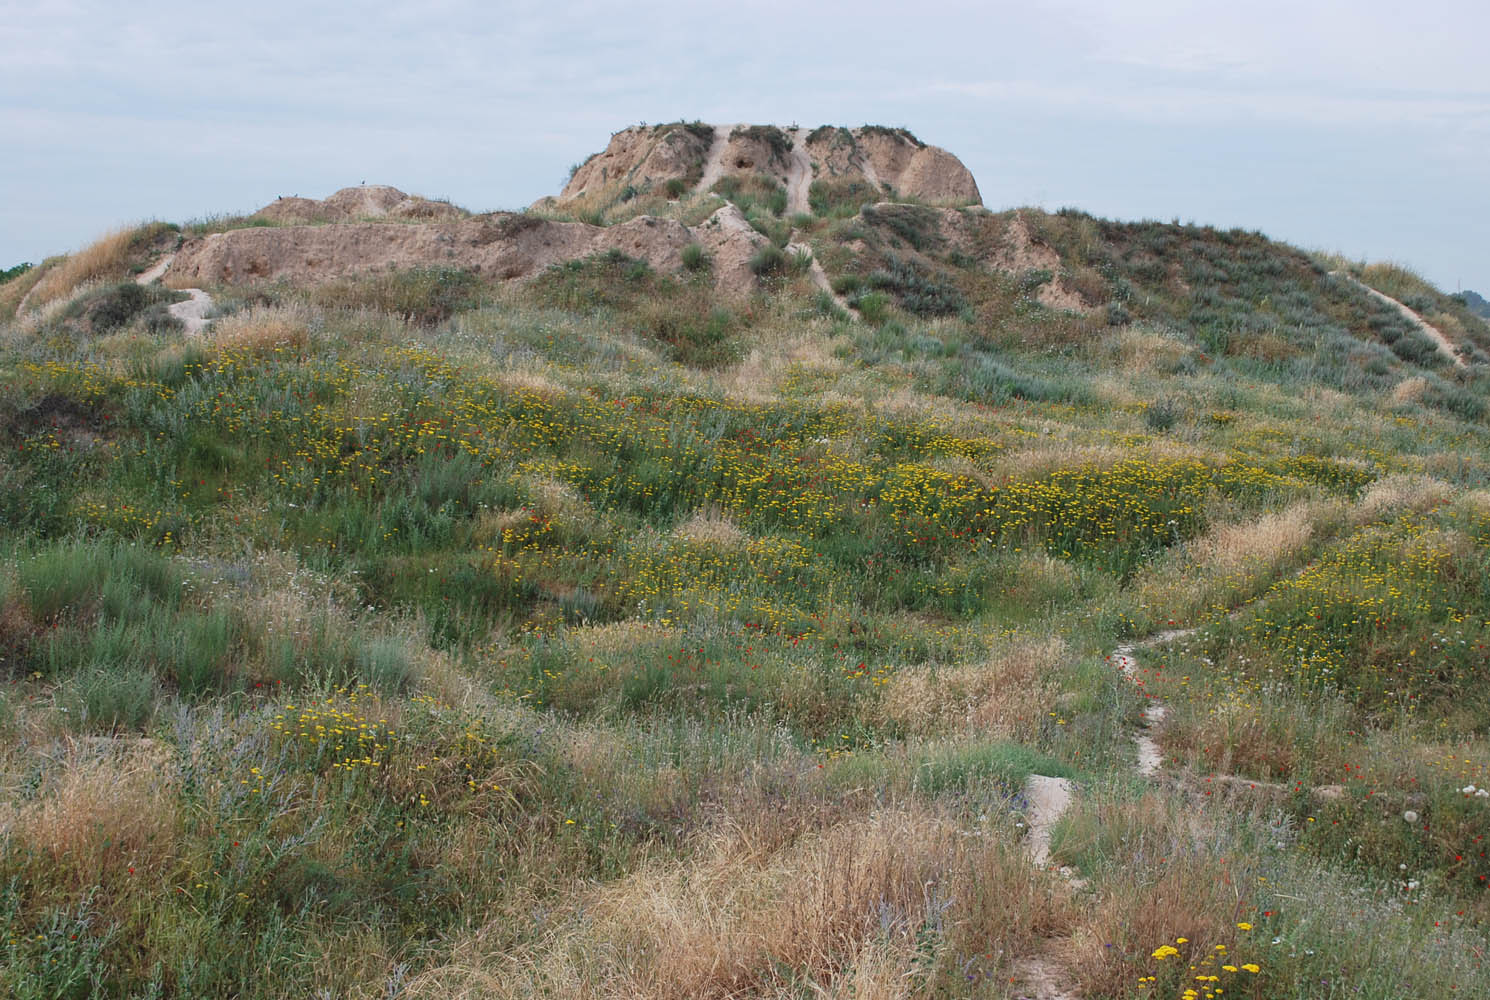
(1358, 128)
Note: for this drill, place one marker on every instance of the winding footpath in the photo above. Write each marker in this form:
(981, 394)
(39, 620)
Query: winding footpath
(798, 175)
(1040, 976)
(193, 312)
(1433, 333)
(714, 165)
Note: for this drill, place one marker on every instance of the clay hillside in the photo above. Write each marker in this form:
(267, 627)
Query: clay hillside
(758, 570)
(638, 181)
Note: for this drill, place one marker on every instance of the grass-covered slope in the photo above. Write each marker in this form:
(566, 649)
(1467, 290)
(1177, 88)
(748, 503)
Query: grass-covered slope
(416, 636)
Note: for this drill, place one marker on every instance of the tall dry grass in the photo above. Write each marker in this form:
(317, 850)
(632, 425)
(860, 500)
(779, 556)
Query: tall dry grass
(265, 329)
(1400, 493)
(843, 910)
(109, 809)
(106, 259)
(1004, 697)
(1233, 562)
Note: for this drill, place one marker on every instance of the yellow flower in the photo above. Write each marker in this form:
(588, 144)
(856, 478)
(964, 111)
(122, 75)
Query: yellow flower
(1252, 967)
(1245, 926)
(1164, 951)
(1182, 940)
(1229, 968)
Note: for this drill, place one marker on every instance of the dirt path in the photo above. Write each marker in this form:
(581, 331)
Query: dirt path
(820, 277)
(1039, 976)
(1149, 757)
(1433, 333)
(714, 161)
(1049, 798)
(193, 312)
(798, 175)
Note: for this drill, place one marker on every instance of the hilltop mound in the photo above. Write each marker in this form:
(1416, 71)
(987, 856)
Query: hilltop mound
(501, 245)
(354, 204)
(495, 607)
(876, 162)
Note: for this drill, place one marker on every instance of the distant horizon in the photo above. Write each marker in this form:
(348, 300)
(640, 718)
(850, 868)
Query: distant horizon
(1454, 288)
(1363, 130)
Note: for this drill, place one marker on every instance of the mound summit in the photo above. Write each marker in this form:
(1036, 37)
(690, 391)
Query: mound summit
(621, 199)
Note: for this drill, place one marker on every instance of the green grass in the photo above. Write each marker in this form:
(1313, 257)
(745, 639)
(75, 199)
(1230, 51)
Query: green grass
(436, 635)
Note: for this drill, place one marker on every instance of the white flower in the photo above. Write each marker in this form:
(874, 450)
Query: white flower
(1410, 816)
(1468, 789)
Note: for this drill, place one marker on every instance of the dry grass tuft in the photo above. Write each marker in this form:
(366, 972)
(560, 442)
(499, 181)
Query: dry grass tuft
(109, 809)
(1002, 698)
(265, 329)
(1232, 562)
(1398, 494)
(1409, 390)
(845, 906)
(1139, 351)
(710, 526)
(106, 259)
(1267, 541)
(1164, 875)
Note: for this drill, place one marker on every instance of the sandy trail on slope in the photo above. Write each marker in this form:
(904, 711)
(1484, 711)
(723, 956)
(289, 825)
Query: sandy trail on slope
(798, 176)
(1433, 333)
(1049, 798)
(714, 166)
(1040, 975)
(193, 312)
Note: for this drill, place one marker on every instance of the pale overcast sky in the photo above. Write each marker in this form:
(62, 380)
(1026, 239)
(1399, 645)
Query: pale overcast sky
(1360, 127)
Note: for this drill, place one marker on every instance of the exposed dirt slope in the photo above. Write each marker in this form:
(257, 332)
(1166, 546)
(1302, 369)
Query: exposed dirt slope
(501, 245)
(642, 158)
(355, 204)
(890, 160)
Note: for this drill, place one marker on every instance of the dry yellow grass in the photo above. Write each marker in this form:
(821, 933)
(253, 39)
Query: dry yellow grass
(830, 909)
(1267, 541)
(1231, 563)
(710, 526)
(1398, 494)
(109, 809)
(265, 329)
(1002, 698)
(1409, 390)
(1140, 351)
(107, 258)
(16, 289)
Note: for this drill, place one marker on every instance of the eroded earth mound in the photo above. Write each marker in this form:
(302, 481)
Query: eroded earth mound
(889, 163)
(354, 204)
(501, 245)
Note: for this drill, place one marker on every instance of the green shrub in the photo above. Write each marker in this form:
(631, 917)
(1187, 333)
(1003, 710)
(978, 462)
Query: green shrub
(756, 192)
(892, 133)
(916, 225)
(110, 697)
(13, 272)
(114, 306)
(917, 290)
(871, 306)
(840, 197)
(695, 258)
(769, 261)
(779, 142)
(1161, 415)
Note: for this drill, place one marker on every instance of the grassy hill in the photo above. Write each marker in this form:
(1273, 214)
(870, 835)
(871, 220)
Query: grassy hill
(423, 635)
